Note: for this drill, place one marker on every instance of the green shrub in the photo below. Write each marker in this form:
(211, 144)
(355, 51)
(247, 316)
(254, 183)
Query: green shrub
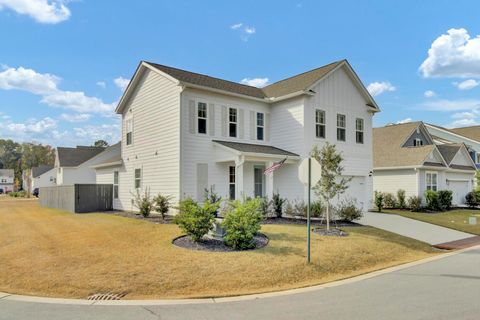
(277, 203)
(265, 207)
(161, 204)
(212, 196)
(389, 200)
(194, 220)
(143, 202)
(316, 209)
(472, 199)
(348, 210)
(401, 199)
(379, 201)
(415, 203)
(289, 209)
(300, 208)
(445, 198)
(431, 198)
(242, 224)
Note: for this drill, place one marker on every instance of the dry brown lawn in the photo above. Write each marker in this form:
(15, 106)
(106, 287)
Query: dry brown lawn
(48, 252)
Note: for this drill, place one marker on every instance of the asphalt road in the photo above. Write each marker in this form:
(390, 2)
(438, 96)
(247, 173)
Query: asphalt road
(447, 288)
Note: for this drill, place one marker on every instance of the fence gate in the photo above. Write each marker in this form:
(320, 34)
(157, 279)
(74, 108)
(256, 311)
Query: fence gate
(93, 197)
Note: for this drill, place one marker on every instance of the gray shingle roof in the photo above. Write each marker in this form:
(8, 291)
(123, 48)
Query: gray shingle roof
(290, 85)
(73, 157)
(449, 151)
(10, 173)
(255, 148)
(41, 169)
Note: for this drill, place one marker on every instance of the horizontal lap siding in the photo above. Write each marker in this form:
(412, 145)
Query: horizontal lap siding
(156, 140)
(393, 180)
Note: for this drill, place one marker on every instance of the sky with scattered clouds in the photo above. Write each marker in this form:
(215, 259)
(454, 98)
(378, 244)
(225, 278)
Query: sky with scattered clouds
(65, 64)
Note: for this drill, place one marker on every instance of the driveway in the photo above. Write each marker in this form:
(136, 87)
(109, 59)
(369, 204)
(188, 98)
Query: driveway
(415, 229)
(446, 288)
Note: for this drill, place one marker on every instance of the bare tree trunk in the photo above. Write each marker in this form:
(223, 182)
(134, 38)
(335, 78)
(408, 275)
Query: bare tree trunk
(328, 215)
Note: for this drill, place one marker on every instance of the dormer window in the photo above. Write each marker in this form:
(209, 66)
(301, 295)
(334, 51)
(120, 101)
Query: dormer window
(417, 142)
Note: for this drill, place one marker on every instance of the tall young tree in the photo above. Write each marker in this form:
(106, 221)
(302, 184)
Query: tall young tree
(332, 183)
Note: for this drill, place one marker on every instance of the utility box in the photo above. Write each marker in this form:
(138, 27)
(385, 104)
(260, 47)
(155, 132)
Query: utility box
(472, 220)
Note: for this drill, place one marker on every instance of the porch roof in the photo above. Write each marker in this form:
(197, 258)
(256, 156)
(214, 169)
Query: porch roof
(255, 148)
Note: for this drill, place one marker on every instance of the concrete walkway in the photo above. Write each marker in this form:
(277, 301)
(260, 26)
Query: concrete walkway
(411, 228)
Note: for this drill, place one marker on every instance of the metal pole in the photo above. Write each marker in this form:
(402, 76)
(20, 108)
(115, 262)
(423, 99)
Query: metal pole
(308, 208)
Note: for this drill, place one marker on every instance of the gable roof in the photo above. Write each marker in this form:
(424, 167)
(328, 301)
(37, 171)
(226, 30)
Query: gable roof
(295, 85)
(10, 173)
(255, 148)
(73, 157)
(113, 157)
(388, 150)
(469, 132)
(449, 151)
(41, 169)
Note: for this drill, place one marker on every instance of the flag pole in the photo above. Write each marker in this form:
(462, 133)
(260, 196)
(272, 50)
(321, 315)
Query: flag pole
(308, 208)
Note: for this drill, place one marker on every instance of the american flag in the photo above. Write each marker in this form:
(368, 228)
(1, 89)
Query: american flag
(274, 167)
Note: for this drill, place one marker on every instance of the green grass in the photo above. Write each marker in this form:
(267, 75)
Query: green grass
(454, 219)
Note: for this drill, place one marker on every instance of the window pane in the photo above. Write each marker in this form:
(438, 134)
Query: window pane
(115, 192)
(233, 129)
(233, 115)
(341, 120)
(115, 177)
(260, 133)
(137, 173)
(320, 116)
(340, 134)
(359, 137)
(202, 125)
(202, 110)
(320, 131)
(129, 138)
(232, 192)
(359, 124)
(260, 119)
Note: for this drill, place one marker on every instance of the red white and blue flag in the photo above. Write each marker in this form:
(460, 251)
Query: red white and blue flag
(274, 167)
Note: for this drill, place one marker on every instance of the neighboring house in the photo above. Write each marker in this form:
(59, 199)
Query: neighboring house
(407, 157)
(7, 180)
(470, 136)
(72, 166)
(41, 176)
(183, 132)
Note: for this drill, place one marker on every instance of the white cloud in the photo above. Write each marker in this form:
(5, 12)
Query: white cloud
(454, 54)
(46, 86)
(429, 94)
(244, 30)
(450, 105)
(108, 132)
(43, 11)
(255, 82)
(377, 88)
(462, 123)
(467, 84)
(31, 127)
(78, 117)
(101, 84)
(407, 120)
(121, 82)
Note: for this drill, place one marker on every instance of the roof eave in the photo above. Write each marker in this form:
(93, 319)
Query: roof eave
(196, 86)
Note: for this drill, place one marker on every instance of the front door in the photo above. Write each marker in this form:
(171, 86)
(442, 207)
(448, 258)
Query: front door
(259, 181)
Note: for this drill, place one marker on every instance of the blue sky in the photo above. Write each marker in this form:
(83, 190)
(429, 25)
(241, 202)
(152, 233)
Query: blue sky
(63, 64)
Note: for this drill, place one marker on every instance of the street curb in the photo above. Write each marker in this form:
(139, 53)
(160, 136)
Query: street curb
(13, 297)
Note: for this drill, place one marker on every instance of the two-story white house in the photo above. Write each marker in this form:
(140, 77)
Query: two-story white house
(183, 132)
(7, 180)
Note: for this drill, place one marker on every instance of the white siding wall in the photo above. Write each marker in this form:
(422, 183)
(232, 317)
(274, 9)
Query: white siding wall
(287, 128)
(154, 107)
(199, 148)
(105, 176)
(47, 179)
(392, 180)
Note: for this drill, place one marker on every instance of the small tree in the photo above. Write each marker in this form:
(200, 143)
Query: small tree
(401, 199)
(331, 183)
(143, 202)
(277, 203)
(212, 196)
(379, 200)
(162, 204)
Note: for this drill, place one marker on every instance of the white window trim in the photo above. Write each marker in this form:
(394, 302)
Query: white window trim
(324, 124)
(127, 119)
(135, 178)
(362, 130)
(416, 142)
(426, 180)
(344, 127)
(260, 126)
(234, 183)
(197, 117)
(230, 122)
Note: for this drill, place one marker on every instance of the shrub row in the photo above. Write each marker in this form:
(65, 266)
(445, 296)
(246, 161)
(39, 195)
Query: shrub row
(435, 201)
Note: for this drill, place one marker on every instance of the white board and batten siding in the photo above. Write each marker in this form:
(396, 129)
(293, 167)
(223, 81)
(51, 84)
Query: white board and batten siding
(391, 181)
(155, 149)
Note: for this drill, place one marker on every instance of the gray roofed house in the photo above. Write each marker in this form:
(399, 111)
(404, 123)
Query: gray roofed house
(7, 180)
(72, 157)
(41, 169)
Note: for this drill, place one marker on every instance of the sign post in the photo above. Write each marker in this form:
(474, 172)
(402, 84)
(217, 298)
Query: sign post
(309, 170)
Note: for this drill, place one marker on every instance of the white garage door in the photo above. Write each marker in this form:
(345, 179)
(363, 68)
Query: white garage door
(357, 190)
(460, 190)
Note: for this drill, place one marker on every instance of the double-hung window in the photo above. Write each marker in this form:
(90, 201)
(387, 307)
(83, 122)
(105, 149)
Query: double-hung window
(320, 124)
(260, 125)
(138, 178)
(129, 130)
(417, 142)
(341, 125)
(115, 184)
(431, 178)
(359, 130)
(232, 122)
(202, 117)
(231, 182)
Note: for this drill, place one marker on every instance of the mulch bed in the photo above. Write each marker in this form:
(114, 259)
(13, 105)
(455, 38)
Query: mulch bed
(215, 245)
(154, 218)
(333, 232)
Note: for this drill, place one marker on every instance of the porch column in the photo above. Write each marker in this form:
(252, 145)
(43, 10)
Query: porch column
(269, 182)
(239, 163)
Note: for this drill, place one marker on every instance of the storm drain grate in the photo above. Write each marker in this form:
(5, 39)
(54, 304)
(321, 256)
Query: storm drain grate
(107, 296)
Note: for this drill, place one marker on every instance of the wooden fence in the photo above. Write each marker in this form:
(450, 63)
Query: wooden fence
(79, 198)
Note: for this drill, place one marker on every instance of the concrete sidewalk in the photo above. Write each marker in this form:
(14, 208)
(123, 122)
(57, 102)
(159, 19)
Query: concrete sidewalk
(411, 228)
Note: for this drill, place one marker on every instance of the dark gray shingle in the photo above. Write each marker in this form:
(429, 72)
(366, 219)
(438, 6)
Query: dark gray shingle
(255, 148)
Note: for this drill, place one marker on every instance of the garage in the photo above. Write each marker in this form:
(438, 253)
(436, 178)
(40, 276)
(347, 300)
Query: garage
(459, 188)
